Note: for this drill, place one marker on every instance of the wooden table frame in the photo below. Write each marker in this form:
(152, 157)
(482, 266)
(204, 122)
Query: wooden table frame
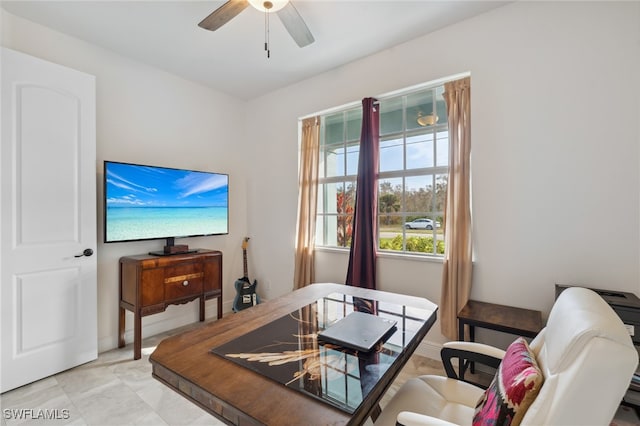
(237, 395)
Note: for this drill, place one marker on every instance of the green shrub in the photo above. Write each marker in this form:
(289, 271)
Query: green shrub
(414, 244)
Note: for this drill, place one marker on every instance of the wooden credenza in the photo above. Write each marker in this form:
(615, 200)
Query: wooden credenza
(148, 284)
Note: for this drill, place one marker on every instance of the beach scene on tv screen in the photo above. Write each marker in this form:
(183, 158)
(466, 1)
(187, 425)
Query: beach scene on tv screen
(144, 202)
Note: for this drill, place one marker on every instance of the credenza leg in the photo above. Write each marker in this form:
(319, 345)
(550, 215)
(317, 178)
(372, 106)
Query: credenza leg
(137, 335)
(201, 308)
(121, 327)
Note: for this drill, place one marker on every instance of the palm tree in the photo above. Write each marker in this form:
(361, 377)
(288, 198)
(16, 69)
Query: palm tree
(389, 203)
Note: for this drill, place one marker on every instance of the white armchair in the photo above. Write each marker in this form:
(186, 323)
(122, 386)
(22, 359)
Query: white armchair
(585, 357)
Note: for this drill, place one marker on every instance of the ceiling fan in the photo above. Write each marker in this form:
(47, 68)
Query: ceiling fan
(287, 13)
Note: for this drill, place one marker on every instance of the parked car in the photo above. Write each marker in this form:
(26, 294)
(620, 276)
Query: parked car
(422, 223)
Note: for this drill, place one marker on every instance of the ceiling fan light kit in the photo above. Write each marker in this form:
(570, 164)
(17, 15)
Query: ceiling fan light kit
(268, 6)
(427, 120)
(287, 13)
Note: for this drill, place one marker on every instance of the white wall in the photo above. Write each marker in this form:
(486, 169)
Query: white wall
(556, 158)
(555, 135)
(148, 116)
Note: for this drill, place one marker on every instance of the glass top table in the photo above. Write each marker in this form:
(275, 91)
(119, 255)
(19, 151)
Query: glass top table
(236, 367)
(287, 350)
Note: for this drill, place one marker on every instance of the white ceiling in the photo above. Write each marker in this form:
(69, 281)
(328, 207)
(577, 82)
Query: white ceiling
(232, 59)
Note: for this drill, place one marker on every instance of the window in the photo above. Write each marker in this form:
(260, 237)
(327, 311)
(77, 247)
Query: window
(414, 163)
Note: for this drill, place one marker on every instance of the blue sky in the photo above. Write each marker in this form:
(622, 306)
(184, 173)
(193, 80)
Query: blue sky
(419, 154)
(130, 185)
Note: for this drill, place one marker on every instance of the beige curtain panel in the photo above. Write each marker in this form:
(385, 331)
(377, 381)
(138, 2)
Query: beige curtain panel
(307, 203)
(456, 275)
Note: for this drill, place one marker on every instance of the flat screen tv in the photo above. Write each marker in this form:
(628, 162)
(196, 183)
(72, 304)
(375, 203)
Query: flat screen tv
(150, 202)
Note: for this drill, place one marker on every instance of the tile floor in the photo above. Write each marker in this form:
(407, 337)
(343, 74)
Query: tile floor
(112, 390)
(117, 390)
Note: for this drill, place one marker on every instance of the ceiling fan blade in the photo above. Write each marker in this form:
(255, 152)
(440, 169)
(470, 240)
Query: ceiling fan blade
(294, 23)
(223, 14)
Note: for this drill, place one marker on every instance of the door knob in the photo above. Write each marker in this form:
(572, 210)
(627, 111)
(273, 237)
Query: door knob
(87, 252)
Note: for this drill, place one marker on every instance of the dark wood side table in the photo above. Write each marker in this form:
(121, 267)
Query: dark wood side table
(519, 321)
(508, 319)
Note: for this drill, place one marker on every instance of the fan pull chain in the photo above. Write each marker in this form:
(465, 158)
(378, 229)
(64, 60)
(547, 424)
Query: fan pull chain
(267, 5)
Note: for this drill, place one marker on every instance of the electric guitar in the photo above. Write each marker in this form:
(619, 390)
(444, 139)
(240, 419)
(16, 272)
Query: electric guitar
(246, 295)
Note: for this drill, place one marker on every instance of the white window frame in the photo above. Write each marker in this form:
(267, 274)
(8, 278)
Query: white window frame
(326, 237)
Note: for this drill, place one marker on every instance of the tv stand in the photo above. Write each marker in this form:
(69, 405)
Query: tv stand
(164, 253)
(148, 284)
(171, 248)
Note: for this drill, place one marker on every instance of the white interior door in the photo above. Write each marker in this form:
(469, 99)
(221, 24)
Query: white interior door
(48, 219)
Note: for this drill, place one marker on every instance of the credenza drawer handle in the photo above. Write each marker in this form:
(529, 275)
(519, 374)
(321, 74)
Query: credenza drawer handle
(185, 283)
(178, 278)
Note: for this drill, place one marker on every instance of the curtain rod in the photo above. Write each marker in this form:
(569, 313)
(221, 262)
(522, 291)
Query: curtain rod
(390, 94)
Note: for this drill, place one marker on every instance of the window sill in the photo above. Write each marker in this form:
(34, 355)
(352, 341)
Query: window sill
(386, 254)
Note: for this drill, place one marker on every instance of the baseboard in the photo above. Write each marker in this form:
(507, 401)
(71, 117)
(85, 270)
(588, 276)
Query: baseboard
(107, 343)
(148, 330)
(429, 349)
(152, 326)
